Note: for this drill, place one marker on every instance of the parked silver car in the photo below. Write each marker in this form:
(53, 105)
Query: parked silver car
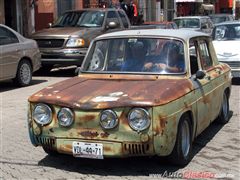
(197, 23)
(226, 41)
(219, 18)
(19, 57)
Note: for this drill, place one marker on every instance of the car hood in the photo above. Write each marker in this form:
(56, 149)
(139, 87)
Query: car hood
(85, 93)
(60, 32)
(227, 50)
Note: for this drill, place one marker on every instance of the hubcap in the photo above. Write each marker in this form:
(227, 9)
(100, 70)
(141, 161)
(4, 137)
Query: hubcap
(25, 73)
(225, 106)
(185, 138)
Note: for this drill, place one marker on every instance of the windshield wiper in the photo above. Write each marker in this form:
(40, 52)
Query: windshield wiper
(82, 26)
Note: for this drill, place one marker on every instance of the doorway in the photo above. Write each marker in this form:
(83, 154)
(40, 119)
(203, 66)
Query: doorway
(13, 14)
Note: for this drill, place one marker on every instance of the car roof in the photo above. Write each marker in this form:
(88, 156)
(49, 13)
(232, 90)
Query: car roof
(96, 9)
(228, 23)
(156, 22)
(174, 33)
(216, 15)
(191, 17)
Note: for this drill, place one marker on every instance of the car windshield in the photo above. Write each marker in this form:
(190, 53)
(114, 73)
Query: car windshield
(139, 55)
(218, 19)
(81, 19)
(227, 32)
(188, 23)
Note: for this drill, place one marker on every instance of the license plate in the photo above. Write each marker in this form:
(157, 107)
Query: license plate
(87, 150)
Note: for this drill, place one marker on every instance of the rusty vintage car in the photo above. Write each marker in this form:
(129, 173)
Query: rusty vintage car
(138, 93)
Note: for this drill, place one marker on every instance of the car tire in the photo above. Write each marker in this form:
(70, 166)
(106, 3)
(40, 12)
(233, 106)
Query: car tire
(50, 152)
(182, 152)
(223, 116)
(24, 74)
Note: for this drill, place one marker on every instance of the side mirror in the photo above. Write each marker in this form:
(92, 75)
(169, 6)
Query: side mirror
(200, 74)
(78, 71)
(49, 25)
(112, 25)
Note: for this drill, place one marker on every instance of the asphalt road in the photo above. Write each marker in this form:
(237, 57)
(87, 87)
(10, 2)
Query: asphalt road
(216, 150)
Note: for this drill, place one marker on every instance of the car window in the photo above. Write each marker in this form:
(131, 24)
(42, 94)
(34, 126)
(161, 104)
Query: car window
(227, 32)
(7, 37)
(204, 24)
(124, 19)
(112, 16)
(222, 18)
(188, 22)
(205, 58)
(210, 24)
(193, 56)
(81, 19)
(145, 55)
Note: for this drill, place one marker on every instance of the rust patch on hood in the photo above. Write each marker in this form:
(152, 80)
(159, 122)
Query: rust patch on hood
(87, 118)
(104, 135)
(100, 93)
(89, 134)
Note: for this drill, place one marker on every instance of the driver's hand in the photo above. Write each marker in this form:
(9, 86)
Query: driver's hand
(148, 65)
(161, 66)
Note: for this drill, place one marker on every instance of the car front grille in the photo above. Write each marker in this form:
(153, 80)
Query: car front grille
(232, 64)
(48, 143)
(50, 43)
(136, 149)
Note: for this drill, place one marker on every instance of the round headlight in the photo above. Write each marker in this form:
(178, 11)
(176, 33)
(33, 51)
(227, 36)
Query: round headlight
(42, 114)
(65, 117)
(108, 119)
(139, 119)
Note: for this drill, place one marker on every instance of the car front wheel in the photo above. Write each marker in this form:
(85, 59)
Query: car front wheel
(223, 116)
(24, 73)
(181, 154)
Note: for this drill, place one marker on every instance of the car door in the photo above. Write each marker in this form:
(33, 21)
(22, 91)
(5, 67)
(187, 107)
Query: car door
(215, 73)
(202, 88)
(113, 17)
(9, 53)
(209, 102)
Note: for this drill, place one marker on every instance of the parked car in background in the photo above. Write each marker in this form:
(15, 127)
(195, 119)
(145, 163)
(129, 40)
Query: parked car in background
(19, 57)
(219, 18)
(163, 24)
(197, 23)
(139, 93)
(156, 25)
(67, 41)
(226, 40)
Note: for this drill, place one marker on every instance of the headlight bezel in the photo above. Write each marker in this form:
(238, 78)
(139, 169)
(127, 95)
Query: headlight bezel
(75, 42)
(146, 113)
(49, 110)
(111, 112)
(67, 110)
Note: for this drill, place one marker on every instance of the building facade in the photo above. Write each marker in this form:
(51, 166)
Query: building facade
(28, 16)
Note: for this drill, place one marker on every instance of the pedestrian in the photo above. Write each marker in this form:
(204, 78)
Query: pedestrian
(115, 4)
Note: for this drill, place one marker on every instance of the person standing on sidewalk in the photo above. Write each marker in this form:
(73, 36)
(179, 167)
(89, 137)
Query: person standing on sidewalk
(115, 4)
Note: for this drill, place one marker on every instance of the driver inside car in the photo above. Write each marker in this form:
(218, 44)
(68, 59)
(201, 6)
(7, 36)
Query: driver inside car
(169, 60)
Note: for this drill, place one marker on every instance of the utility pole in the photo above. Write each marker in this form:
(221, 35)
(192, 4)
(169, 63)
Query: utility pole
(234, 9)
